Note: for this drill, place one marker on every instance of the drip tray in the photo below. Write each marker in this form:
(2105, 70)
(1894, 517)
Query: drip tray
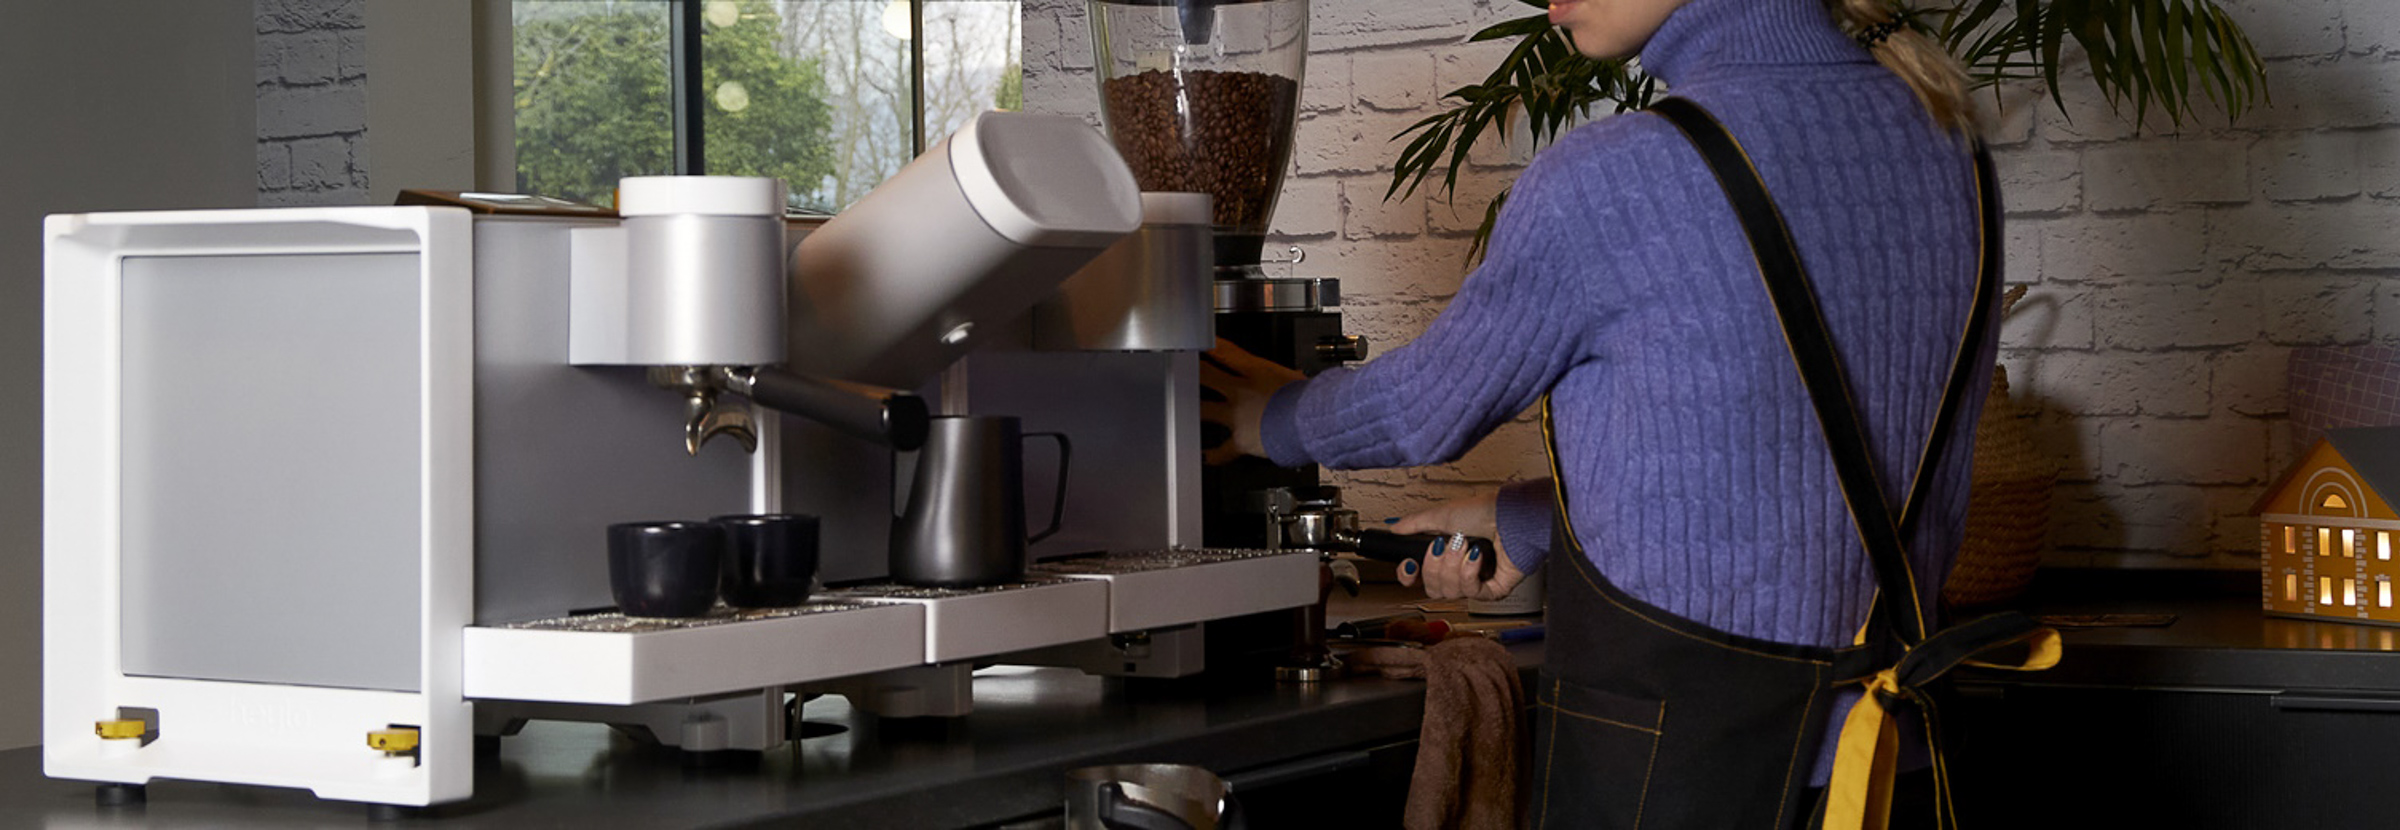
(614, 659)
(1150, 589)
(966, 623)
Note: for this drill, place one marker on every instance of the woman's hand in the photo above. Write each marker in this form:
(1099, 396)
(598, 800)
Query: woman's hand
(1242, 382)
(1449, 571)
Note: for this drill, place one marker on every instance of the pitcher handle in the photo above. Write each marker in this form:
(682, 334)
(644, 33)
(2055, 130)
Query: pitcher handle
(1058, 505)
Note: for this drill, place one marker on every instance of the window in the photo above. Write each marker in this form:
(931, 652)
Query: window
(2324, 590)
(2291, 542)
(832, 96)
(2349, 543)
(2334, 501)
(2324, 541)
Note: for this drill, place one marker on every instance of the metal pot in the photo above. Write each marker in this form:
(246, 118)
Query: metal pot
(1149, 797)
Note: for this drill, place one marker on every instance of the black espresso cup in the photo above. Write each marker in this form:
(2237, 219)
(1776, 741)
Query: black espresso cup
(769, 560)
(665, 569)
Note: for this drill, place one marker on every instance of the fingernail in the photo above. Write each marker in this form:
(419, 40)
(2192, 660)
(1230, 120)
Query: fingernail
(1409, 567)
(1439, 549)
(1474, 555)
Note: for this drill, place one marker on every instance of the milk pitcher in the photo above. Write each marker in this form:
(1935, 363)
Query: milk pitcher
(964, 525)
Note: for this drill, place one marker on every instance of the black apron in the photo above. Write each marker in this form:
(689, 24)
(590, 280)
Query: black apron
(1646, 719)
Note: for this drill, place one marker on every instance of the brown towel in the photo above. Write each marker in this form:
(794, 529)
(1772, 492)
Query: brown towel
(1466, 774)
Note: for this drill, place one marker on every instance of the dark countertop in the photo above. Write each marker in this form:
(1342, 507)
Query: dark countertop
(2219, 638)
(1004, 761)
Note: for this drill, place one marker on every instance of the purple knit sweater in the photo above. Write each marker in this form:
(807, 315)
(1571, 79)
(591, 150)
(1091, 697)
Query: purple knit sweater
(1620, 283)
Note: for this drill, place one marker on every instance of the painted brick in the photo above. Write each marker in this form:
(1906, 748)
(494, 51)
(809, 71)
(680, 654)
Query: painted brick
(312, 111)
(2289, 28)
(274, 166)
(2249, 380)
(1379, 142)
(2009, 116)
(2021, 261)
(2164, 519)
(2379, 163)
(1323, 144)
(306, 57)
(2171, 315)
(2308, 166)
(1075, 39)
(2050, 317)
(309, 15)
(2071, 441)
(1467, 64)
(1343, 25)
(2179, 452)
(360, 163)
(2140, 246)
(1512, 452)
(353, 57)
(2387, 310)
(320, 163)
(1416, 275)
(1365, 213)
(2371, 26)
(2318, 311)
(2087, 115)
(1310, 207)
(2168, 384)
(2355, 235)
(2340, 94)
(1398, 80)
(1326, 84)
(2156, 174)
(2040, 182)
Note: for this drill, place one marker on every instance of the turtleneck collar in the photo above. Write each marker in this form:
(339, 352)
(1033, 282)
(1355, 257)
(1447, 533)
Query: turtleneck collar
(1706, 36)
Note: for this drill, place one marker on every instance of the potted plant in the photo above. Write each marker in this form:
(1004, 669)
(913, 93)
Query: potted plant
(2161, 55)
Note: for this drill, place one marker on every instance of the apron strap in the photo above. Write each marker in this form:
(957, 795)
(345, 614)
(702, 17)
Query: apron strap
(1811, 346)
(1904, 653)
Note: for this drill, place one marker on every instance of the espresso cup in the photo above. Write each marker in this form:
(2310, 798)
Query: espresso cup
(665, 569)
(770, 560)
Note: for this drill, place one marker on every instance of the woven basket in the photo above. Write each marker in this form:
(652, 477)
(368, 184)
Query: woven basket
(2008, 506)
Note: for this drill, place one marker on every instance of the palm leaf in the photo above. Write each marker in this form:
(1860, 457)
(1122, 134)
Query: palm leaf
(2143, 54)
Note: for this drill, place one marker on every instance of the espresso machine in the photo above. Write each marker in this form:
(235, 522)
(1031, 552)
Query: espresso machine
(325, 488)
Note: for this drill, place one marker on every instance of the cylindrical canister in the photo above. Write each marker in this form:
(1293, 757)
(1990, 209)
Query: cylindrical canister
(704, 270)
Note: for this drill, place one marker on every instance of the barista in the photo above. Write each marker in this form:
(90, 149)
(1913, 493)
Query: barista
(1706, 562)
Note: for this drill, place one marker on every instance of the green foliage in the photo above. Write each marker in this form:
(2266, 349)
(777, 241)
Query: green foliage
(2146, 53)
(593, 104)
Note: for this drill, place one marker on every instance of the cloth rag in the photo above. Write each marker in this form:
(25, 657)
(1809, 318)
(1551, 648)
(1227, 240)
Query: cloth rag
(1466, 774)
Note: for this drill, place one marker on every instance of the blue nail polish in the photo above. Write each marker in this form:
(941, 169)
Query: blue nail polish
(1473, 555)
(1391, 520)
(1438, 549)
(1409, 567)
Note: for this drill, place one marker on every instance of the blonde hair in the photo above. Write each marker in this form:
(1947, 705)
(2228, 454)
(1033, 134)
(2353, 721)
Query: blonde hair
(1938, 79)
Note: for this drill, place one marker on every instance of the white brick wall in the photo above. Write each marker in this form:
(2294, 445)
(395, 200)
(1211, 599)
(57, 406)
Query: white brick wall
(312, 102)
(2171, 274)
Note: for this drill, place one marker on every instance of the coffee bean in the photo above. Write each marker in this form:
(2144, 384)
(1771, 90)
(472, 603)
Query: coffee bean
(1226, 134)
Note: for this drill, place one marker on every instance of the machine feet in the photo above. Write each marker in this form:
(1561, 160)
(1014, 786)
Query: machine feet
(393, 812)
(120, 795)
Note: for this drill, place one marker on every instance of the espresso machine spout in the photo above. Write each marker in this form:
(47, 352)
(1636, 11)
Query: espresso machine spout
(885, 416)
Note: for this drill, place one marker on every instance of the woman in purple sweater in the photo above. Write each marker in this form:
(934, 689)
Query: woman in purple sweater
(1697, 484)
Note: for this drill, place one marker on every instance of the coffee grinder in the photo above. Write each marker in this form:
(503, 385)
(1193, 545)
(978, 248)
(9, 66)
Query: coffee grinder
(1201, 96)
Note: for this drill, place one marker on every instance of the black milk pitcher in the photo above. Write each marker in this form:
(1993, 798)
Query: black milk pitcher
(964, 525)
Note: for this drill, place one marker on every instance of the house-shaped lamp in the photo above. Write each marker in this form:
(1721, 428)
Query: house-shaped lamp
(2326, 531)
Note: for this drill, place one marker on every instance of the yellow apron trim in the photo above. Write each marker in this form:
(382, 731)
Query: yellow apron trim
(1867, 757)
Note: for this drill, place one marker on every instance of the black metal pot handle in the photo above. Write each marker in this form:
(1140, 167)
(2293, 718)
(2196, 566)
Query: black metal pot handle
(1120, 812)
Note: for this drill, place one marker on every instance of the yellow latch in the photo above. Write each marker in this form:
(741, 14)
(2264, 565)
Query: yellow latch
(119, 730)
(393, 740)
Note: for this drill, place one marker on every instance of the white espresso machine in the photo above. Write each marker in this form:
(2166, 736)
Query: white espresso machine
(325, 488)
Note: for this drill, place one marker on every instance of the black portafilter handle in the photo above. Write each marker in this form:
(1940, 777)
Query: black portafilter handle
(874, 413)
(1386, 546)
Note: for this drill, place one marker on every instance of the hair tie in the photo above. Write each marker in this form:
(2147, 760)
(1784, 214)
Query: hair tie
(1874, 35)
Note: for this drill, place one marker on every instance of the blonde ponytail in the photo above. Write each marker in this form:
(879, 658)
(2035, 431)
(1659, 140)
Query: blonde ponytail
(1939, 81)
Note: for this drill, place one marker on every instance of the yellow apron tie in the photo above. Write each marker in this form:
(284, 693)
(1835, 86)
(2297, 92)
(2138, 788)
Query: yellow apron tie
(1867, 757)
